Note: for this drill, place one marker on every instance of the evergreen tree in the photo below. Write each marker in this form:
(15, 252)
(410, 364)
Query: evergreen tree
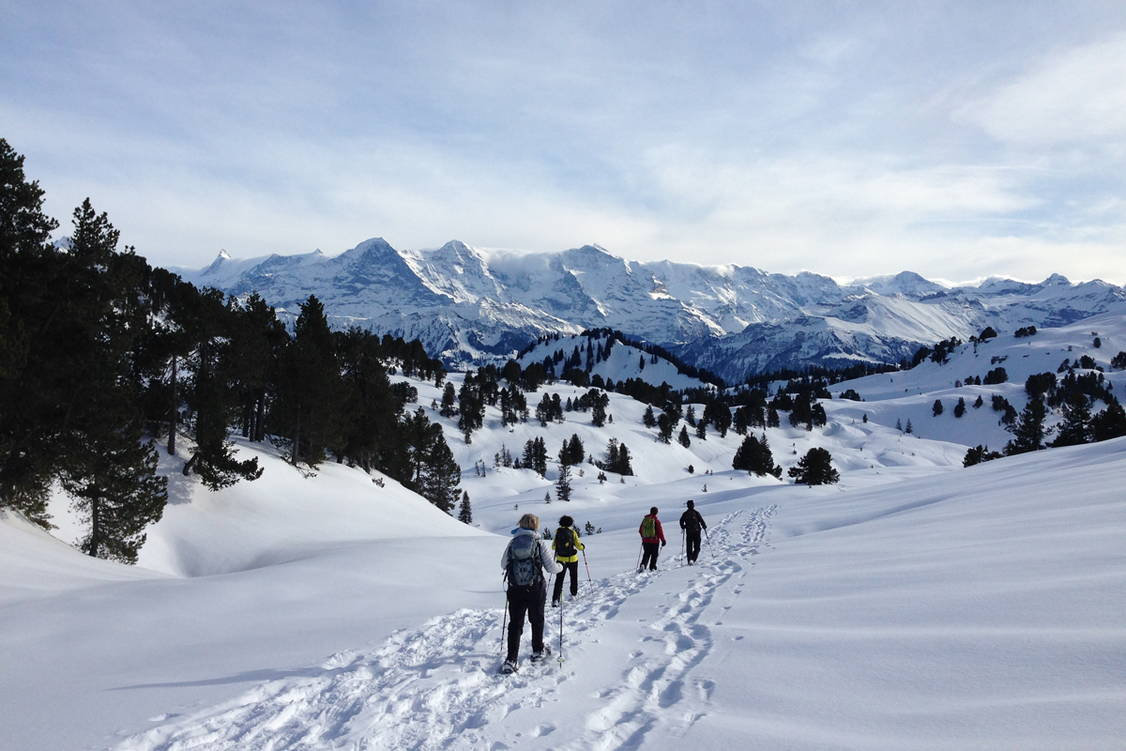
(308, 388)
(448, 400)
(598, 413)
(665, 426)
(754, 456)
(960, 407)
(1076, 426)
(33, 387)
(441, 474)
(649, 419)
(563, 483)
(936, 410)
(683, 438)
(624, 467)
(979, 454)
(108, 468)
(815, 468)
(909, 429)
(1109, 423)
(702, 430)
(1028, 433)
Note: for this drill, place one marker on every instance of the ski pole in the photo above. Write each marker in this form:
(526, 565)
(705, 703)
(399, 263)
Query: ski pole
(560, 658)
(682, 545)
(639, 556)
(588, 579)
(504, 622)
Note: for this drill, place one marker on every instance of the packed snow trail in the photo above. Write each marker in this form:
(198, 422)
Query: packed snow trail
(438, 687)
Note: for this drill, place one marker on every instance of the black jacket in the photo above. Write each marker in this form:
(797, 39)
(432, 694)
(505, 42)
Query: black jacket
(691, 521)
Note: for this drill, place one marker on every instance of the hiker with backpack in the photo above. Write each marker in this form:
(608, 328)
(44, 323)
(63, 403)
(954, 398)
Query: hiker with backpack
(524, 562)
(691, 523)
(567, 545)
(652, 540)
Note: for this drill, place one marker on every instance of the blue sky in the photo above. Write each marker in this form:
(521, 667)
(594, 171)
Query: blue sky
(958, 140)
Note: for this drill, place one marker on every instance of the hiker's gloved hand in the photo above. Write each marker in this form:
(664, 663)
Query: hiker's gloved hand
(663, 543)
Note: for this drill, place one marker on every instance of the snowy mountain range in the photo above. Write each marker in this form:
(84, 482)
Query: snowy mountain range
(469, 305)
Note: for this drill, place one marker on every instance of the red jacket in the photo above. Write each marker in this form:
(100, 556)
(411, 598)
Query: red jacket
(660, 530)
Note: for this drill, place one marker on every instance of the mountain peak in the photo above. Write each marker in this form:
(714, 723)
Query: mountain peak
(1055, 280)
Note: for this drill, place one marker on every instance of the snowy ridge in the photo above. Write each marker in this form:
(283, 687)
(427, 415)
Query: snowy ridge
(469, 305)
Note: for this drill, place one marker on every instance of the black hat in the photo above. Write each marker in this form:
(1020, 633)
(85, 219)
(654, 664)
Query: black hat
(653, 510)
(691, 504)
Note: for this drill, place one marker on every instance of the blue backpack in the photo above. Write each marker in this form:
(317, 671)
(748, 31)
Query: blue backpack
(525, 562)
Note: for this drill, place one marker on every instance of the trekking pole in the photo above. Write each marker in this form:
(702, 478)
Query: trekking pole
(640, 553)
(682, 546)
(588, 579)
(709, 541)
(560, 657)
(503, 623)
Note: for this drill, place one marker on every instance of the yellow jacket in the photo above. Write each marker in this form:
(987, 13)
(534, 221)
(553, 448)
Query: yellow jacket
(578, 546)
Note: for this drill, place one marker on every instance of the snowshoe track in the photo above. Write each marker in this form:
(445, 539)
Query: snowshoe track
(438, 688)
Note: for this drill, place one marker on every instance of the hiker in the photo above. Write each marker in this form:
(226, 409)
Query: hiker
(524, 561)
(691, 522)
(567, 546)
(651, 534)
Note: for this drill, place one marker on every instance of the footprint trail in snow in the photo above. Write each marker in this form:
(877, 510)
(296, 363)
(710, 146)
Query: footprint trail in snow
(438, 688)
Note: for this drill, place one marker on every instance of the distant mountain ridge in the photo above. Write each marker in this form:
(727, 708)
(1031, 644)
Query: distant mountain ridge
(470, 306)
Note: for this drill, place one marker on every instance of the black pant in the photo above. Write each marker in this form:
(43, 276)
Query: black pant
(650, 557)
(528, 600)
(573, 567)
(693, 540)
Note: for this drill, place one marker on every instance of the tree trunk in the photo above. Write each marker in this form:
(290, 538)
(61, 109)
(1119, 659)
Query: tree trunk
(173, 412)
(259, 419)
(95, 528)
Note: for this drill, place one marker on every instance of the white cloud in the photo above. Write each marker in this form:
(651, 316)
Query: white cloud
(1075, 97)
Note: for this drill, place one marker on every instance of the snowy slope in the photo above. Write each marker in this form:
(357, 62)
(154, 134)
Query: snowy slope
(623, 362)
(916, 605)
(969, 610)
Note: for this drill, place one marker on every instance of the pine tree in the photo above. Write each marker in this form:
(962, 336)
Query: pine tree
(909, 429)
(1109, 423)
(979, 454)
(1028, 433)
(624, 466)
(936, 409)
(1076, 426)
(33, 388)
(563, 483)
(108, 468)
(649, 419)
(815, 468)
(441, 474)
(683, 438)
(960, 407)
(465, 511)
(448, 400)
(309, 385)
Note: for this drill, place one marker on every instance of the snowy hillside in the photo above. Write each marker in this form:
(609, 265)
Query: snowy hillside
(957, 609)
(470, 305)
(588, 352)
(914, 605)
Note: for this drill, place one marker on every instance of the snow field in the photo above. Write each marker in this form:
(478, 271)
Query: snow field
(437, 687)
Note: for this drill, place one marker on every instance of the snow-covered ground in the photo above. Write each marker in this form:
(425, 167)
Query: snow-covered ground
(916, 605)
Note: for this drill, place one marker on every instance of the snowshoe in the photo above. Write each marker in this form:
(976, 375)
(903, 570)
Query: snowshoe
(540, 656)
(508, 667)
